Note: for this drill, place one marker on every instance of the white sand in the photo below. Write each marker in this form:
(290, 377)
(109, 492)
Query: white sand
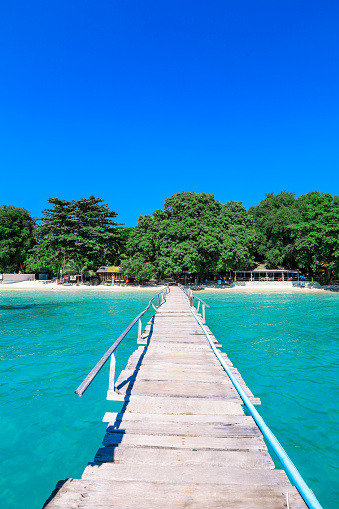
(266, 289)
(42, 286)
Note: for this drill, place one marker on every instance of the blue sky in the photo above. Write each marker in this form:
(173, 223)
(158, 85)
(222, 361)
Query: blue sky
(134, 101)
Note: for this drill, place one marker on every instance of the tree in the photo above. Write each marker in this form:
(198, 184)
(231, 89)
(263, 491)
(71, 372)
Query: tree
(121, 253)
(80, 233)
(137, 268)
(16, 238)
(317, 234)
(238, 237)
(194, 232)
(142, 240)
(188, 233)
(96, 235)
(55, 237)
(273, 217)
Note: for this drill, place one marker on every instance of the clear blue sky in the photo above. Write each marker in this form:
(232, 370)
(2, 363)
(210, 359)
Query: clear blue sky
(136, 100)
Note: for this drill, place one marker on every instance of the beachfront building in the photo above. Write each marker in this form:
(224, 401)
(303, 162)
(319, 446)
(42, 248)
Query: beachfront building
(262, 274)
(110, 274)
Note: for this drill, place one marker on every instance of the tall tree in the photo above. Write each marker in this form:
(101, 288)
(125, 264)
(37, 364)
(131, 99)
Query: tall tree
(80, 234)
(55, 236)
(273, 217)
(16, 238)
(238, 237)
(317, 234)
(188, 233)
(194, 232)
(142, 240)
(97, 239)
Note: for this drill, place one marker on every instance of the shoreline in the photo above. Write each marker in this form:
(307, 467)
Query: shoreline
(41, 286)
(267, 289)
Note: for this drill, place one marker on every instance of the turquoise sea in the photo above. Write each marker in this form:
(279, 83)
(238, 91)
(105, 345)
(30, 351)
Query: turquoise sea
(286, 346)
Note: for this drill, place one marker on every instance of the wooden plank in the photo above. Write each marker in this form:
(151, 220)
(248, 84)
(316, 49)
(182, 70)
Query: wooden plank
(189, 406)
(185, 442)
(100, 494)
(174, 373)
(174, 457)
(191, 474)
(186, 429)
(191, 389)
(112, 417)
(167, 363)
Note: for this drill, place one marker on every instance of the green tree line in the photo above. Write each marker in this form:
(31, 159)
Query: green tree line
(193, 232)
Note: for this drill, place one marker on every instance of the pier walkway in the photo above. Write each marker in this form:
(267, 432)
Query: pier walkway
(182, 439)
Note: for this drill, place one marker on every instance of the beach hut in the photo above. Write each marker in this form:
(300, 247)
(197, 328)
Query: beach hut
(110, 274)
(263, 274)
(115, 274)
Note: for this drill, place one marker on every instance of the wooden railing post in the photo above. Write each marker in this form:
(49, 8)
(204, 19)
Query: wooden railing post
(203, 314)
(111, 383)
(111, 354)
(191, 301)
(198, 306)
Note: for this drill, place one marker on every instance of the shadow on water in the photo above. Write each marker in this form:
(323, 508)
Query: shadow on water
(114, 432)
(55, 491)
(52, 305)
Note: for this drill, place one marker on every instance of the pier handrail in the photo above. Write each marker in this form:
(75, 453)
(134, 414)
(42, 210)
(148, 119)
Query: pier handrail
(186, 291)
(191, 298)
(306, 493)
(92, 374)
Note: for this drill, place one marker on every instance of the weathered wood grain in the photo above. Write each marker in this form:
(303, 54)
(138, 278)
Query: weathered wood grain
(190, 406)
(181, 439)
(189, 474)
(177, 457)
(99, 494)
(185, 442)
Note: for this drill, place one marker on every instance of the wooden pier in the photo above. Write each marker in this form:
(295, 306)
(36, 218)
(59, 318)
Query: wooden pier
(182, 439)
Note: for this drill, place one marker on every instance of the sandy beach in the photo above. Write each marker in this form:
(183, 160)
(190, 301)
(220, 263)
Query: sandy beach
(267, 289)
(42, 286)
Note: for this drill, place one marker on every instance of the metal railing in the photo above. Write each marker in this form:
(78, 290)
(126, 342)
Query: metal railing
(306, 493)
(112, 351)
(192, 298)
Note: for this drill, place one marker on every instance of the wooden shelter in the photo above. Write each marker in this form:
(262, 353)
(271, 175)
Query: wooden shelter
(260, 274)
(110, 274)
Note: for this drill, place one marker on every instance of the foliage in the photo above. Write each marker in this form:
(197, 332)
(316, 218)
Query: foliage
(317, 235)
(81, 234)
(274, 217)
(137, 268)
(16, 238)
(238, 237)
(121, 251)
(194, 232)
(188, 233)
(142, 240)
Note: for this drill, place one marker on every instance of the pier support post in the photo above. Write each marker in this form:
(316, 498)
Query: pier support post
(111, 383)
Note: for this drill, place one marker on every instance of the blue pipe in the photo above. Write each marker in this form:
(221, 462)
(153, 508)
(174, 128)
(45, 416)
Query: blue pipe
(287, 463)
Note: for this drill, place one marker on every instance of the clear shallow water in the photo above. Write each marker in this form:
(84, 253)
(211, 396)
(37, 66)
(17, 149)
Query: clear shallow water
(285, 346)
(48, 344)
